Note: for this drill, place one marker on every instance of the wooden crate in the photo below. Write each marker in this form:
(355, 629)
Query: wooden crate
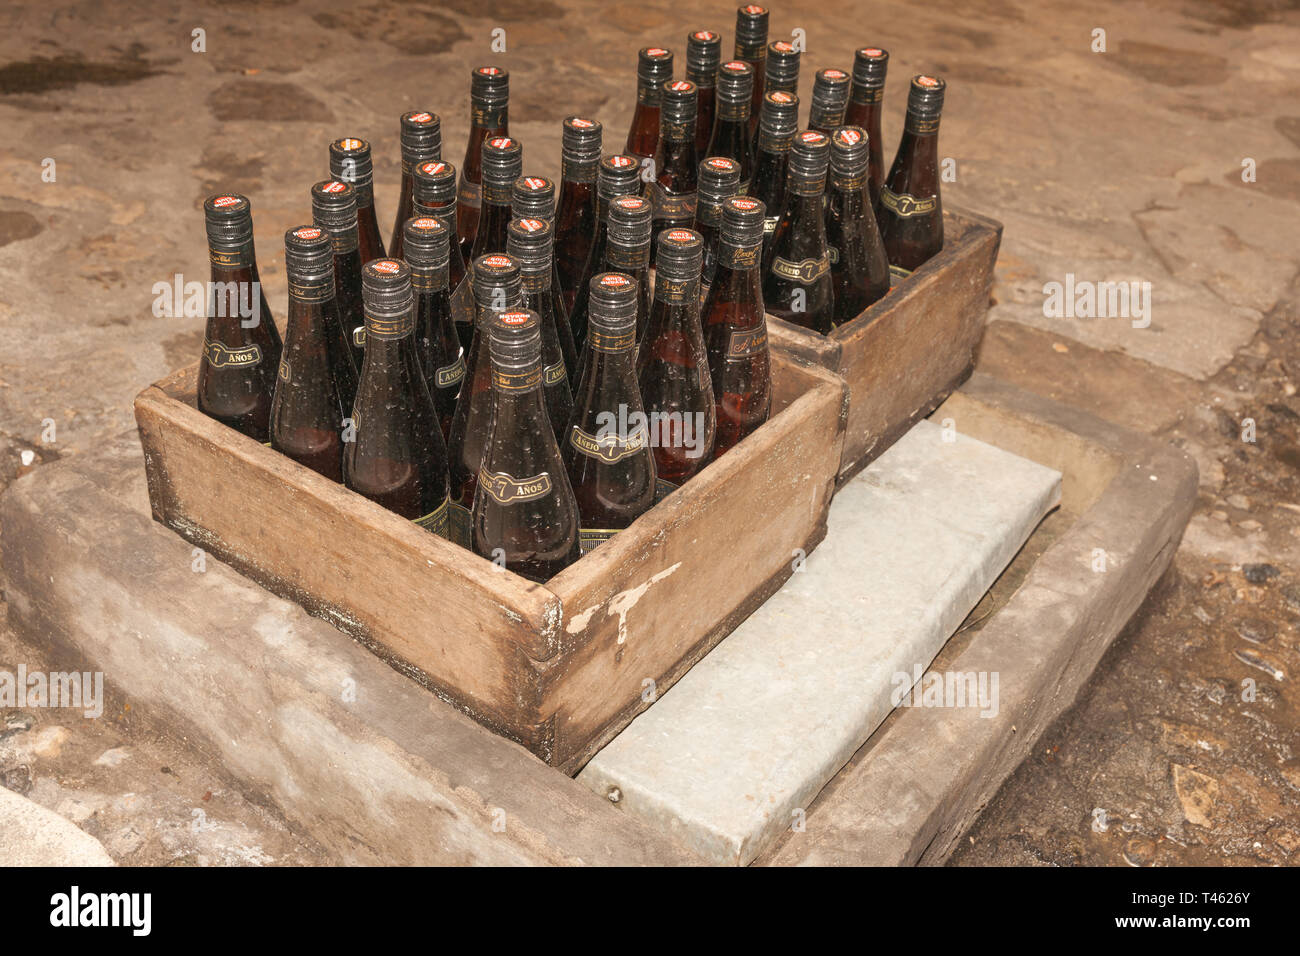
(559, 667)
(906, 353)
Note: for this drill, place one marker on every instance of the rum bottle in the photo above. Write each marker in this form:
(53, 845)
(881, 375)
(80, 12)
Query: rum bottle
(703, 56)
(673, 192)
(781, 71)
(911, 214)
(751, 47)
(627, 250)
(654, 67)
(533, 197)
(731, 125)
(421, 140)
(719, 180)
(575, 217)
(859, 268)
(503, 163)
(428, 242)
(489, 113)
(334, 209)
(435, 195)
(776, 131)
(529, 244)
(869, 67)
(617, 176)
(350, 163)
(797, 279)
(830, 98)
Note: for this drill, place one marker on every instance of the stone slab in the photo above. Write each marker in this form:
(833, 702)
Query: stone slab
(746, 739)
(31, 835)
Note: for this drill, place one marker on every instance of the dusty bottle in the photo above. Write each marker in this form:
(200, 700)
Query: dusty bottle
(775, 134)
(533, 197)
(672, 365)
(719, 181)
(627, 249)
(859, 268)
(731, 125)
(396, 456)
(703, 56)
(334, 209)
(489, 113)
(428, 242)
(654, 67)
(781, 72)
(911, 214)
(575, 217)
(869, 67)
(421, 140)
(751, 47)
(797, 279)
(607, 452)
(735, 326)
(830, 98)
(674, 190)
(435, 195)
(497, 288)
(617, 175)
(525, 515)
(529, 244)
(350, 163)
(241, 346)
(316, 384)
(503, 163)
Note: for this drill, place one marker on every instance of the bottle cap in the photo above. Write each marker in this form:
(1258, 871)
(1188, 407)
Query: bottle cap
(427, 243)
(489, 85)
(809, 155)
(503, 161)
(703, 56)
(679, 104)
(421, 137)
(619, 176)
(830, 96)
(869, 67)
(613, 304)
(515, 343)
(925, 98)
(350, 161)
(532, 197)
(528, 242)
(229, 221)
(581, 140)
(719, 178)
(496, 271)
(654, 65)
(679, 255)
(735, 82)
(780, 114)
(742, 220)
(435, 183)
(386, 294)
(782, 70)
(629, 220)
(308, 254)
(850, 151)
(751, 26)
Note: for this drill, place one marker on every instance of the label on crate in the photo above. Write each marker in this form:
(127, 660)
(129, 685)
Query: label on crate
(745, 343)
(506, 489)
(435, 520)
(590, 538)
(905, 205)
(450, 375)
(220, 355)
(609, 449)
(805, 272)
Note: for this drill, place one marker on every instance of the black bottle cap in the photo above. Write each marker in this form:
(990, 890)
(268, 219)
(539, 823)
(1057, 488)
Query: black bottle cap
(613, 304)
(782, 70)
(869, 67)
(308, 254)
(742, 220)
(229, 221)
(735, 82)
(528, 242)
(719, 178)
(779, 116)
(849, 151)
(581, 139)
(350, 161)
(503, 160)
(680, 102)
(654, 65)
(427, 243)
(385, 293)
(830, 95)
(489, 85)
(515, 343)
(492, 272)
(751, 25)
(435, 183)
(809, 155)
(421, 137)
(629, 221)
(619, 176)
(680, 254)
(925, 98)
(703, 57)
(532, 197)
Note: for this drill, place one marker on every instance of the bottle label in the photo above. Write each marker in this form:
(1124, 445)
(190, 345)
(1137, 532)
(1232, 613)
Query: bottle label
(677, 132)
(922, 126)
(590, 538)
(506, 489)
(554, 374)
(673, 291)
(863, 94)
(899, 273)
(769, 224)
(450, 375)
(663, 489)
(848, 183)
(770, 143)
(468, 193)
(497, 193)
(805, 273)
(739, 257)
(904, 205)
(312, 289)
(435, 520)
(833, 254)
(807, 187)
(460, 524)
(359, 336)
(489, 117)
(733, 111)
(537, 281)
(389, 327)
(220, 355)
(344, 241)
(609, 449)
(670, 206)
(709, 213)
(647, 94)
(232, 258)
(518, 381)
(747, 343)
(432, 280)
(283, 372)
(601, 342)
(627, 258)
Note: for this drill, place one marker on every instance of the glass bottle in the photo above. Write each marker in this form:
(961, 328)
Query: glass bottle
(334, 209)
(672, 365)
(525, 516)
(859, 268)
(776, 131)
(654, 67)
(735, 326)
(797, 279)
(489, 114)
(529, 244)
(241, 345)
(781, 71)
(751, 47)
(607, 452)
(731, 125)
(870, 64)
(421, 141)
(674, 190)
(830, 98)
(703, 56)
(503, 163)
(350, 163)
(533, 197)
(396, 457)
(435, 195)
(428, 242)
(617, 176)
(575, 217)
(911, 214)
(627, 249)
(719, 180)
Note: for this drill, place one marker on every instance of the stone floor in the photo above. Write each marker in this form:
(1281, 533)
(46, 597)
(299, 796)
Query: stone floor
(1128, 164)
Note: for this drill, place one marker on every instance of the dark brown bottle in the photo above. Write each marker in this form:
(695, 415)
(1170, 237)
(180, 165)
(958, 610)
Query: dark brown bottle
(830, 98)
(731, 125)
(435, 195)
(735, 326)
(627, 249)
(911, 214)
(428, 242)
(396, 457)
(334, 209)
(776, 131)
(533, 197)
(241, 346)
(654, 67)
(751, 46)
(672, 365)
(316, 384)
(421, 139)
(617, 175)
(529, 244)
(859, 268)
(350, 163)
(797, 277)
(719, 180)
(781, 71)
(525, 516)
(703, 57)
(869, 67)
(674, 190)
(489, 113)
(606, 451)
(575, 217)
(497, 288)
(503, 163)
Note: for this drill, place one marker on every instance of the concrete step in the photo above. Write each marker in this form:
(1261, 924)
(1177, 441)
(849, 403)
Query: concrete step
(728, 759)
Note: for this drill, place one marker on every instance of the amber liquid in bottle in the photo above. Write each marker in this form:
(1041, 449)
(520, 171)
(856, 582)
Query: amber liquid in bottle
(719, 181)
(489, 100)
(674, 192)
(735, 327)
(241, 345)
(435, 195)
(575, 217)
(334, 209)
(673, 365)
(503, 163)
(529, 244)
(731, 126)
(775, 133)
(654, 68)
(911, 214)
(533, 197)
(606, 448)
(751, 47)
(350, 162)
(703, 56)
(870, 65)
(627, 250)
(396, 456)
(797, 279)
(428, 243)
(859, 268)
(421, 141)
(780, 72)
(618, 176)
(830, 97)
(525, 516)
